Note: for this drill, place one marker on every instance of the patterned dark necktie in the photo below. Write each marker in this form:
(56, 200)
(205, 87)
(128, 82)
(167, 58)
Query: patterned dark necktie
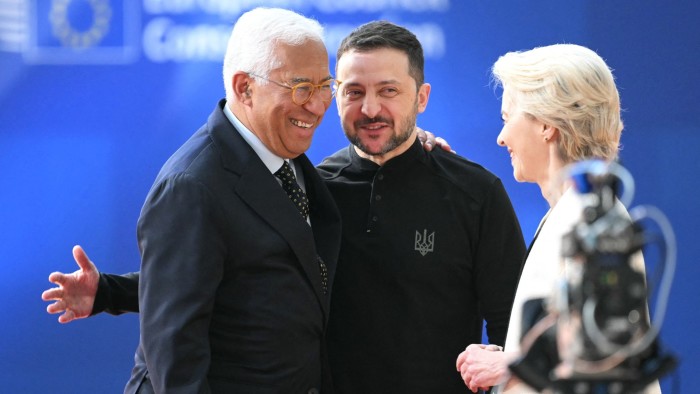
(294, 191)
(298, 197)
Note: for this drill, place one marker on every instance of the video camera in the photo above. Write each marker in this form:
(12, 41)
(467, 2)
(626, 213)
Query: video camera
(596, 335)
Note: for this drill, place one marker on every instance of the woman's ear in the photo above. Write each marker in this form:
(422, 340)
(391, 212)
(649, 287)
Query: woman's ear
(549, 132)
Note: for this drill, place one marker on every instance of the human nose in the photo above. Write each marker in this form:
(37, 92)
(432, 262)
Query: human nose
(315, 104)
(500, 139)
(370, 106)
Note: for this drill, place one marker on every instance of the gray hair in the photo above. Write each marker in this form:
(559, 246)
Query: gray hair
(571, 88)
(251, 47)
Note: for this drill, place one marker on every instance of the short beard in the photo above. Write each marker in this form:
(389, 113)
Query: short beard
(396, 139)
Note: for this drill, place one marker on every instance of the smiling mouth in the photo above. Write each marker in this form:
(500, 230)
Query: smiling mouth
(374, 128)
(373, 124)
(301, 124)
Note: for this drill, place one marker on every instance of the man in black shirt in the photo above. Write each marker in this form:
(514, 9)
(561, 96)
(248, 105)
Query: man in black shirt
(430, 243)
(431, 246)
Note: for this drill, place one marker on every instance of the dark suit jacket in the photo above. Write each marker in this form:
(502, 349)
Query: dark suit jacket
(230, 291)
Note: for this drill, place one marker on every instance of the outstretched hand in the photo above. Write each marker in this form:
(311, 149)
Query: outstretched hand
(75, 294)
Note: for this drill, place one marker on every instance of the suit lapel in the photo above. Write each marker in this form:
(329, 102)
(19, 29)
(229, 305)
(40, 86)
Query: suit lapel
(324, 216)
(261, 191)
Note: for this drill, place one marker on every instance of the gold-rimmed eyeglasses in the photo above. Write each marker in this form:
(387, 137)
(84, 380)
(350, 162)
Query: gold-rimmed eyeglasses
(302, 92)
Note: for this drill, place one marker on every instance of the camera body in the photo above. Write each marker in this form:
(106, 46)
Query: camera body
(600, 339)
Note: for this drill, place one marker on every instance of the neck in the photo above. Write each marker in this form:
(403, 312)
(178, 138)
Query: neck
(383, 158)
(552, 184)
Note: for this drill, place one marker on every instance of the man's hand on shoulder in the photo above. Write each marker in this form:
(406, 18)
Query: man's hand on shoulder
(429, 141)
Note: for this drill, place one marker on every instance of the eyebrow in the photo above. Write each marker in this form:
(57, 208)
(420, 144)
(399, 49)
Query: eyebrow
(300, 79)
(380, 83)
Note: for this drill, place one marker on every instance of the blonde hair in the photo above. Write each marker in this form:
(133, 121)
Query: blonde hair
(251, 47)
(571, 88)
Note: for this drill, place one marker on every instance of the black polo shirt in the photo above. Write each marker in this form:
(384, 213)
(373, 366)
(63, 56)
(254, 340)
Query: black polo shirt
(430, 247)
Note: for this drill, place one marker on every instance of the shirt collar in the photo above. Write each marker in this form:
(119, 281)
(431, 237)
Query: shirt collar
(271, 161)
(414, 152)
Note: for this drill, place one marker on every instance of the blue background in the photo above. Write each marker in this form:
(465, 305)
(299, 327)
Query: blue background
(82, 138)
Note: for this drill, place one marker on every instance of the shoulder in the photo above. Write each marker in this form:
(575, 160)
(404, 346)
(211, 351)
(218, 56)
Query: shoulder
(311, 173)
(333, 165)
(194, 156)
(197, 166)
(566, 212)
(460, 171)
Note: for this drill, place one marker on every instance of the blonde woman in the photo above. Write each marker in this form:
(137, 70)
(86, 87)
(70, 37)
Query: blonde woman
(560, 106)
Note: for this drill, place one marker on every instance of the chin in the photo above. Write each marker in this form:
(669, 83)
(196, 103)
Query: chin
(373, 152)
(518, 176)
(300, 148)
(370, 147)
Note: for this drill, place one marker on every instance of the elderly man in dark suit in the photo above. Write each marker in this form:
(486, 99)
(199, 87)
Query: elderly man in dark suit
(235, 275)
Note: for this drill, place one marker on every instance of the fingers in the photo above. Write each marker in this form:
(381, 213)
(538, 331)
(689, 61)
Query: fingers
(442, 143)
(426, 139)
(56, 307)
(52, 294)
(472, 386)
(421, 134)
(465, 377)
(430, 140)
(58, 278)
(460, 360)
(82, 259)
(67, 317)
(464, 372)
(470, 382)
(475, 386)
